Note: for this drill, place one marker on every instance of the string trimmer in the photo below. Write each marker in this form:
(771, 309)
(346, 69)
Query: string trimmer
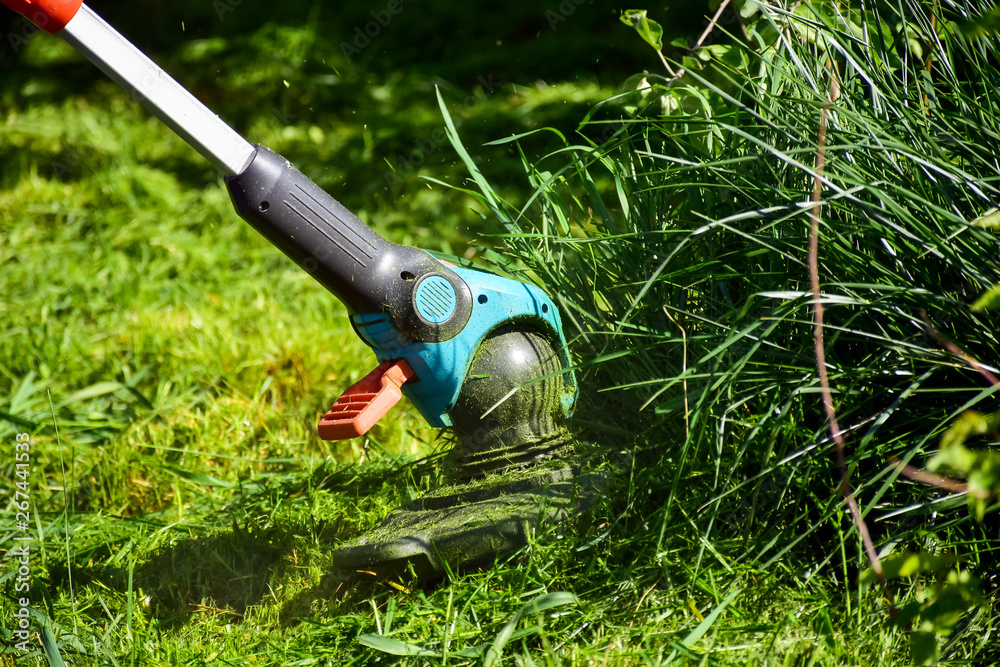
(477, 352)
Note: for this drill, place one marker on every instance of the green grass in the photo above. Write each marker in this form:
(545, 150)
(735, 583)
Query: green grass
(687, 277)
(184, 511)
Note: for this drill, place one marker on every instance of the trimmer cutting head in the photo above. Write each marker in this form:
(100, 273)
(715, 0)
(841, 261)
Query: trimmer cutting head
(513, 470)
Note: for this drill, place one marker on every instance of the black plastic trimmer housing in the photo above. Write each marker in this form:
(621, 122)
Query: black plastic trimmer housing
(365, 271)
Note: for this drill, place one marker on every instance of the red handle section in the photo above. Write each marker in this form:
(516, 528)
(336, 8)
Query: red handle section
(366, 401)
(49, 15)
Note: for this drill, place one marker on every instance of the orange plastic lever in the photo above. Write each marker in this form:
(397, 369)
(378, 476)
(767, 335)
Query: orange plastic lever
(366, 401)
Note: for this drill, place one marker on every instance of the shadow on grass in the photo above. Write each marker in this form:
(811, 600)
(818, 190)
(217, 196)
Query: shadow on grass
(226, 572)
(229, 572)
(222, 573)
(338, 592)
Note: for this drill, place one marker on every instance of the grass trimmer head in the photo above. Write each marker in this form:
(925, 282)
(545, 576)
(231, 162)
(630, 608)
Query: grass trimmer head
(475, 351)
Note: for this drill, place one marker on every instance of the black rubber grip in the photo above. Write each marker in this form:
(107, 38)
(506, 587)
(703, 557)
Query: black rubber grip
(365, 271)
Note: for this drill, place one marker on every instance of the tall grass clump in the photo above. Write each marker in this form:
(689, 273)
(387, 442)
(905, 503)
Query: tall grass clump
(675, 237)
